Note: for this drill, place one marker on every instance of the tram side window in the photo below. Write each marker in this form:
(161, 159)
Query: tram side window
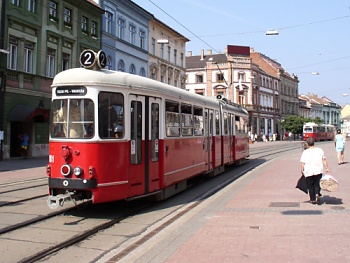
(155, 131)
(136, 132)
(217, 123)
(72, 118)
(111, 115)
(186, 120)
(225, 124)
(239, 125)
(198, 121)
(172, 119)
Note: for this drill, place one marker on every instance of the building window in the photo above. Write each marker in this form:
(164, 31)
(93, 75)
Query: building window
(132, 31)
(132, 69)
(65, 61)
(67, 17)
(53, 11)
(142, 72)
(241, 77)
(153, 46)
(15, 2)
(50, 63)
(175, 56)
(162, 50)
(142, 39)
(219, 77)
(182, 59)
(13, 55)
(109, 19)
(121, 26)
(169, 53)
(84, 24)
(109, 63)
(93, 29)
(28, 57)
(121, 65)
(31, 6)
(199, 78)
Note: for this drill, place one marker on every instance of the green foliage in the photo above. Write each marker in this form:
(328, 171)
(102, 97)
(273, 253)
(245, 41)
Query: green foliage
(294, 123)
(317, 120)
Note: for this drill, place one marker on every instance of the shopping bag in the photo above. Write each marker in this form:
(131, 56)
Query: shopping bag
(301, 184)
(329, 183)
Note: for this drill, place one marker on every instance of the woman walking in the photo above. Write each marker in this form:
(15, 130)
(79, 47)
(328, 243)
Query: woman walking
(339, 143)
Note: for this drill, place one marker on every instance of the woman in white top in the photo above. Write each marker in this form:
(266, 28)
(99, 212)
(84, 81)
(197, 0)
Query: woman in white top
(339, 144)
(312, 161)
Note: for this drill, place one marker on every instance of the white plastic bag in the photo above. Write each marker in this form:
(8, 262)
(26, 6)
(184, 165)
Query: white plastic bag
(329, 183)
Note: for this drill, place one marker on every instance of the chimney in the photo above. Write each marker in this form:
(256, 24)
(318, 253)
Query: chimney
(209, 52)
(189, 53)
(202, 54)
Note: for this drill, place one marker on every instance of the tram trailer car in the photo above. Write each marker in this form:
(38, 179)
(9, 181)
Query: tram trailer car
(320, 132)
(118, 136)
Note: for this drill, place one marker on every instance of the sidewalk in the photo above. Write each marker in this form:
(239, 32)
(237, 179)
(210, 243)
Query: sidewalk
(22, 169)
(261, 217)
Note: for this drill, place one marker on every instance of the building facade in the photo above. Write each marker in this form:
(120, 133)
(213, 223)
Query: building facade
(125, 36)
(166, 59)
(42, 38)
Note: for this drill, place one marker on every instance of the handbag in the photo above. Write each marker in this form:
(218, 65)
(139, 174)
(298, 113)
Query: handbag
(301, 184)
(329, 183)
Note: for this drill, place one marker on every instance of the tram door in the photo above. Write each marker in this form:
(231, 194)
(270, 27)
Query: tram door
(144, 144)
(208, 141)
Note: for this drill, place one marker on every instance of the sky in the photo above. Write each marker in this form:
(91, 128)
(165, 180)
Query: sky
(314, 35)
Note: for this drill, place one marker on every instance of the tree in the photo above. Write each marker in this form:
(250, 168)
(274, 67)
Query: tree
(294, 123)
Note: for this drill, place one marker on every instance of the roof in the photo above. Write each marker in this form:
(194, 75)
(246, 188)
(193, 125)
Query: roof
(193, 62)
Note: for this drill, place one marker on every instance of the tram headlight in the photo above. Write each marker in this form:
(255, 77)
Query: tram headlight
(66, 170)
(77, 171)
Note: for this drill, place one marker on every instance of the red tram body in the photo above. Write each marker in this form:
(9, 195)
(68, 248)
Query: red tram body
(117, 136)
(320, 132)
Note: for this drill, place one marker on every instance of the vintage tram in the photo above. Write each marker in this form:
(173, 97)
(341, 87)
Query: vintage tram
(118, 136)
(320, 132)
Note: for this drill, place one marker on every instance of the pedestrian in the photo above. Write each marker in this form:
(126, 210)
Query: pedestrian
(24, 144)
(312, 162)
(339, 144)
(290, 134)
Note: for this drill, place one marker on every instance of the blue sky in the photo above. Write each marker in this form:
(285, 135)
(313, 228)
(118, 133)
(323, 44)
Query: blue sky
(314, 35)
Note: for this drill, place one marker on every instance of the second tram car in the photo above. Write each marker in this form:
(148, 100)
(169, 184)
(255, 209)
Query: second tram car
(320, 132)
(117, 136)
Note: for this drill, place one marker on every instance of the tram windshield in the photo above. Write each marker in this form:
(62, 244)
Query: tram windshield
(72, 118)
(307, 129)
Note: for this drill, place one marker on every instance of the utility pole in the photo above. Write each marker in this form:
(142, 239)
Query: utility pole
(3, 62)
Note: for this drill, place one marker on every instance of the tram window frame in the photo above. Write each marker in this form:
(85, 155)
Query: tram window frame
(217, 123)
(111, 108)
(155, 131)
(226, 127)
(172, 118)
(198, 121)
(136, 120)
(77, 118)
(186, 120)
(238, 124)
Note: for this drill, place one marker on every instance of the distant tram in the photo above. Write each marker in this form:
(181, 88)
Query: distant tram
(320, 132)
(117, 136)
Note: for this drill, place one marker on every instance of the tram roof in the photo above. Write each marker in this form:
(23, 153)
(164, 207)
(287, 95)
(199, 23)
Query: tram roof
(88, 77)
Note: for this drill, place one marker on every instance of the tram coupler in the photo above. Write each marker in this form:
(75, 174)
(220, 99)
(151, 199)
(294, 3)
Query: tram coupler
(58, 200)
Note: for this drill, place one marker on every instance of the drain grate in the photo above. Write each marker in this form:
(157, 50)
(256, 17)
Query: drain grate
(284, 204)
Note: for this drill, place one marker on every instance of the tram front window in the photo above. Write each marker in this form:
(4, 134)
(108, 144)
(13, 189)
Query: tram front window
(72, 118)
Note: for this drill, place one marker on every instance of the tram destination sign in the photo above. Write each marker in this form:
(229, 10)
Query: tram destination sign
(74, 91)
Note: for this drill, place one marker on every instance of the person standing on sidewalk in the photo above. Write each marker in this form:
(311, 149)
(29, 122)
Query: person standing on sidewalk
(24, 144)
(312, 162)
(339, 144)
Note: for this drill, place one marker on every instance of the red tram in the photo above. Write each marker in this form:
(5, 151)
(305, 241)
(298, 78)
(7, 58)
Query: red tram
(320, 132)
(117, 136)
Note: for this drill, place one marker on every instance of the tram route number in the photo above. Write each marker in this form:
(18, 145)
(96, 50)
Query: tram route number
(89, 58)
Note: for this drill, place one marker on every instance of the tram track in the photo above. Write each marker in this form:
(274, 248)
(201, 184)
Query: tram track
(54, 249)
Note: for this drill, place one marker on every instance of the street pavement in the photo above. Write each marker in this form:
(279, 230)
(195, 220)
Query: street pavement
(261, 217)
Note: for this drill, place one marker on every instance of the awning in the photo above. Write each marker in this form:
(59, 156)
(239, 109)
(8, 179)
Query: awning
(26, 113)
